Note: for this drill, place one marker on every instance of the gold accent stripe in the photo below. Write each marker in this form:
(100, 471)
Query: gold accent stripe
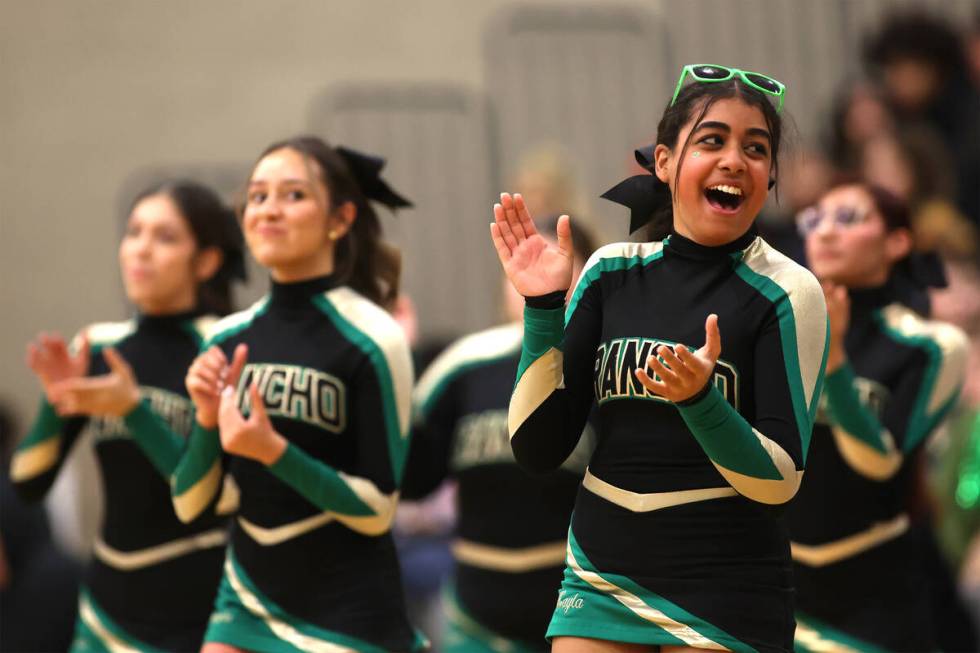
(279, 628)
(952, 342)
(190, 504)
(769, 491)
(638, 502)
(280, 534)
(517, 561)
(811, 640)
(865, 459)
(110, 640)
(636, 605)
(540, 379)
(35, 460)
(819, 555)
(129, 560)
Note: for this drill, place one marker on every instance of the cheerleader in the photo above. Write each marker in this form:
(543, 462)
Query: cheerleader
(704, 353)
(892, 376)
(304, 399)
(510, 542)
(152, 578)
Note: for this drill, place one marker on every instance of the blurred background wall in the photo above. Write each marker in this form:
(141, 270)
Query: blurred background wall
(97, 98)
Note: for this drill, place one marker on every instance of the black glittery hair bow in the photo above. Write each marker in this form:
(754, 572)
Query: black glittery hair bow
(366, 169)
(643, 195)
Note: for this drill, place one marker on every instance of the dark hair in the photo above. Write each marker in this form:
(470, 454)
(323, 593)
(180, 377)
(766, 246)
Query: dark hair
(362, 260)
(893, 209)
(583, 242)
(699, 97)
(213, 224)
(919, 35)
(914, 273)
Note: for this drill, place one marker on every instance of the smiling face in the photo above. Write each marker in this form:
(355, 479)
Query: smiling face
(288, 221)
(861, 252)
(724, 172)
(157, 257)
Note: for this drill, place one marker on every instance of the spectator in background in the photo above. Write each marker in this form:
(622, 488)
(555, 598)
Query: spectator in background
(914, 164)
(548, 182)
(858, 115)
(920, 62)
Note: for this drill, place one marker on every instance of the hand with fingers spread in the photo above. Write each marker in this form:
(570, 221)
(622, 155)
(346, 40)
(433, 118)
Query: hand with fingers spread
(114, 394)
(533, 264)
(207, 377)
(50, 359)
(839, 314)
(249, 438)
(684, 373)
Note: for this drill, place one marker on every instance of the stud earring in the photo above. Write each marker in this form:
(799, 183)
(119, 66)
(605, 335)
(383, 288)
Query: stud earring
(332, 234)
(695, 154)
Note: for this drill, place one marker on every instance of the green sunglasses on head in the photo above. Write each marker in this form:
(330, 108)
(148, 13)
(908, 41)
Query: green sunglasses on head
(704, 72)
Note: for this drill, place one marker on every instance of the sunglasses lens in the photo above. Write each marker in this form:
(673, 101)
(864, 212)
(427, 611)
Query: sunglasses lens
(710, 72)
(764, 82)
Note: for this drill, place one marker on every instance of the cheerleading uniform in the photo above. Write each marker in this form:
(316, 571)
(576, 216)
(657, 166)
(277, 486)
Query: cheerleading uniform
(856, 581)
(311, 564)
(512, 527)
(152, 578)
(677, 535)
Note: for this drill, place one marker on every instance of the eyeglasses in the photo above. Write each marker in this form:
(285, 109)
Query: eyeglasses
(707, 73)
(809, 219)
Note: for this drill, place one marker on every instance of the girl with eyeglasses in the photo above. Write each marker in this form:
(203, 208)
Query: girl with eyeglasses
(892, 375)
(152, 578)
(704, 352)
(304, 399)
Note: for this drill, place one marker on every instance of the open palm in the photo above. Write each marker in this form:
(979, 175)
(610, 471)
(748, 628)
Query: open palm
(51, 360)
(534, 265)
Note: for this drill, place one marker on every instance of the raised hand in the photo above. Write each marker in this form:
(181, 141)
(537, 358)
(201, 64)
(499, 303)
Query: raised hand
(250, 438)
(51, 361)
(684, 373)
(113, 394)
(534, 265)
(839, 314)
(208, 376)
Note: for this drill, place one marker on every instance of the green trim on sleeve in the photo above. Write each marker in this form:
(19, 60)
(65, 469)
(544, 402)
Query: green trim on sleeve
(727, 438)
(47, 424)
(803, 411)
(544, 329)
(203, 448)
(319, 483)
(161, 445)
(921, 423)
(397, 444)
(847, 410)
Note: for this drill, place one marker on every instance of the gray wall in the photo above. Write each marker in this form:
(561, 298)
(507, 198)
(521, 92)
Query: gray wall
(96, 96)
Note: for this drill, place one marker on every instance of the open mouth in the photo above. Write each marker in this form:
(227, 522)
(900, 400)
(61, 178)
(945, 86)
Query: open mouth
(724, 198)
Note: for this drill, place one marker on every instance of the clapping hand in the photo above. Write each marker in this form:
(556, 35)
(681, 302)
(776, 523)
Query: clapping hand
(683, 373)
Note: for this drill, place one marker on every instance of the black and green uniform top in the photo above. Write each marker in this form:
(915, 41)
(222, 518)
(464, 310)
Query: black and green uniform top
(678, 527)
(855, 566)
(151, 575)
(511, 526)
(312, 539)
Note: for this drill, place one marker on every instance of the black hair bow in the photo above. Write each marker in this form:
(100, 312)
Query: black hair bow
(643, 195)
(925, 270)
(366, 169)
